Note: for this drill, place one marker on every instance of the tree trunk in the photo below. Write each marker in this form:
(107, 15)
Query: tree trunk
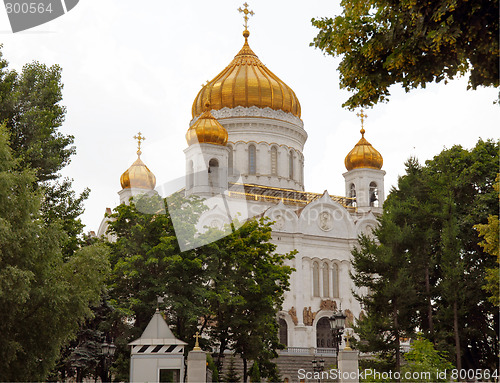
(429, 302)
(398, 341)
(220, 357)
(457, 337)
(245, 373)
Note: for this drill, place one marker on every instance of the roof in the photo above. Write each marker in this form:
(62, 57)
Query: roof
(157, 332)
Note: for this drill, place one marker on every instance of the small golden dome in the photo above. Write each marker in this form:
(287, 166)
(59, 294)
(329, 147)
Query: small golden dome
(207, 130)
(247, 82)
(363, 155)
(138, 175)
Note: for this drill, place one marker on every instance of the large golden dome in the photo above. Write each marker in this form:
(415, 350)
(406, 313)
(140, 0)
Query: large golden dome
(247, 82)
(363, 155)
(207, 130)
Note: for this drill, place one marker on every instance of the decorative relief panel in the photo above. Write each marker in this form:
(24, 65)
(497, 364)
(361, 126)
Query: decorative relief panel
(328, 305)
(308, 316)
(325, 221)
(293, 314)
(253, 111)
(279, 223)
(349, 320)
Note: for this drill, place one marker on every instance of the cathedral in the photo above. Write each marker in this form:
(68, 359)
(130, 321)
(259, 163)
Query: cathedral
(244, 155)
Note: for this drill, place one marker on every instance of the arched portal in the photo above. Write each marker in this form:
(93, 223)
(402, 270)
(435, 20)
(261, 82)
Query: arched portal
(324, 337)
(283, 331)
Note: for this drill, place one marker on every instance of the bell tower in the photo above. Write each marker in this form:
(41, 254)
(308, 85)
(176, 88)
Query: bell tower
(206, 156)
(364, 179)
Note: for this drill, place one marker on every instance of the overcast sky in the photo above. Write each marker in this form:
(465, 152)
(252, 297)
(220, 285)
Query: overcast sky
(132, 66)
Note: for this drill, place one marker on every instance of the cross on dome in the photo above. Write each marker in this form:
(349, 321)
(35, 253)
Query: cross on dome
(139, 137)
(362, 115)
(246, 13)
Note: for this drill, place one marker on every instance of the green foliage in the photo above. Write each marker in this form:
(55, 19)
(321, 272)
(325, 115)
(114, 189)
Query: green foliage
(424, 358)
(43, 299)
(248, 283)
(231, 375)
(30, 104)
(425, 263)
(61, 205)
(232, 287)
(147, 264)
(30, 107)
(386, 272)
(254, 373)
(212, 367)
(489, 232)
(411, 43)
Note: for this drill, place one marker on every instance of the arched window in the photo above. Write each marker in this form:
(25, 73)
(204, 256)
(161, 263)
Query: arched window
(230, 160)
(324, 336)
(213, 172)
(335, 280)
(290, 165)
(352, 194)
(326, 280)
(315, 279)
(373, 194)
(252, 159)
(190, 175)
(283, 331)
(274, 161)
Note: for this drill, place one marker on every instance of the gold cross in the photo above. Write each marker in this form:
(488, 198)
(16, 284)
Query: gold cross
(197, 344)
(362, 115)
(139, 138)
(347, 344)
(246, 12)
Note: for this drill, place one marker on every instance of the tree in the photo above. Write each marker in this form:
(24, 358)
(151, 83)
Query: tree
(212, 367)
(231, 375)
(148, 264)
(230, 289)
(427, 234)
(462, 182)
(248, 282)
(384, 269)
(43, 298)
(255, 373)
(424, 361)
(410, 43)
(489, 232)
(30, 106)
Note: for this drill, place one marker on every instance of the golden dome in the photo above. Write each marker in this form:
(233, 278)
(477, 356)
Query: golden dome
(207, 130)
(363, 155)
(247, 82)
(138, 176)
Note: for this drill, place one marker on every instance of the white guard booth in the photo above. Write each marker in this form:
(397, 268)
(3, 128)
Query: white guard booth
(157, 356)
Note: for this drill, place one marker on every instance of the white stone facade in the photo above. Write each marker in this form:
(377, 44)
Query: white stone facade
(323, 231)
